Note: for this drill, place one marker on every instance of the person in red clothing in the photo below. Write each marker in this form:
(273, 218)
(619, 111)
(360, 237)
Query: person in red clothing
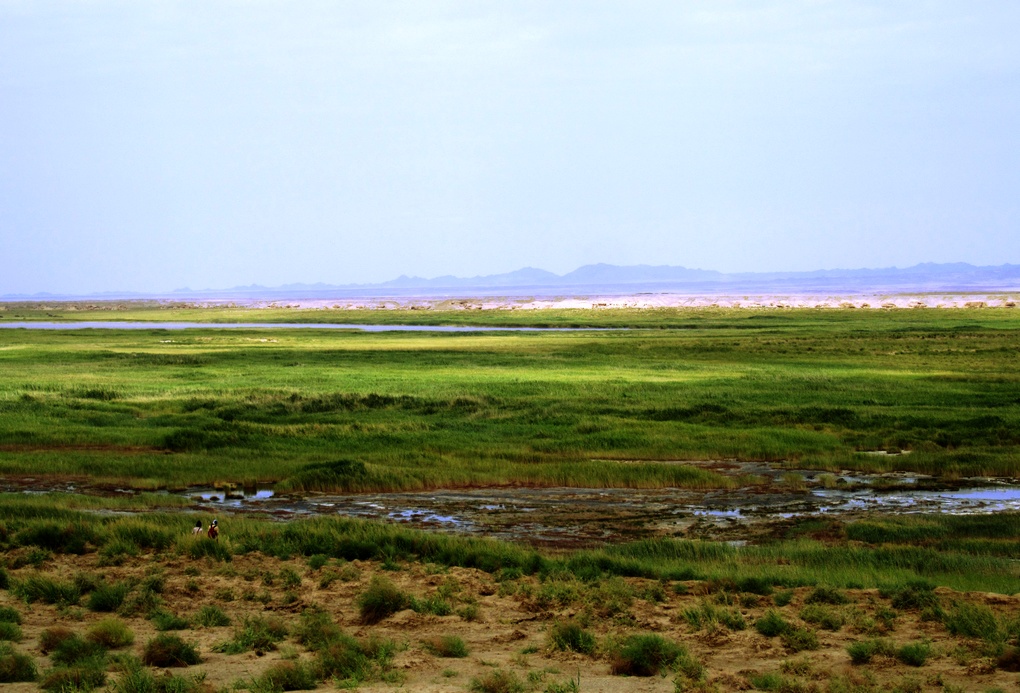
(214, 529)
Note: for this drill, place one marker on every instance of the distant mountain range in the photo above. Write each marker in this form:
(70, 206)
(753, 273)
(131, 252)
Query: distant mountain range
(615, 279)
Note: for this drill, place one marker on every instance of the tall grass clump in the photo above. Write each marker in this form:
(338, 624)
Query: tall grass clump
(380, 599)
(165, 620)
(51, 638)
(8, 614)
(914, 654)
(498, 681)
(862, 651)
(10, 631)
(75, 650)
(972, 621)
(107, 597)
(771, 624)
(258, 633)
(111, 633)
(315, 629)
(79, 677)
(826, 595)
(211, 616)
(168, 650)
(348, 659)
(286, 676)
(135, 678)
(570, 635)
(14, 666)
(645, 655)
(39, 588)
(446, 646)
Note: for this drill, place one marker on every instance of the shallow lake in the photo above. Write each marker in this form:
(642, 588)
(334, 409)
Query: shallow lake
(115, 325)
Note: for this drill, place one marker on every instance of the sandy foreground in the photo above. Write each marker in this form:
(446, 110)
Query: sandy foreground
(510, 627)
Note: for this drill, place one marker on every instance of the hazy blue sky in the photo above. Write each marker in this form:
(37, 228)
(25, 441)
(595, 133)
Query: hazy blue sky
(155, 145)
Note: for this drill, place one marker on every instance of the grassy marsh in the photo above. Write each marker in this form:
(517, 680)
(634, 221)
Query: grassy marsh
(814, 388)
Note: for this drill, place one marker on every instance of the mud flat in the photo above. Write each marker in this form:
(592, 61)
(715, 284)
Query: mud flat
(571, 518)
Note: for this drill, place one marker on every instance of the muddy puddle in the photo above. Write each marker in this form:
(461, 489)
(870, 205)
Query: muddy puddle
(575, 517)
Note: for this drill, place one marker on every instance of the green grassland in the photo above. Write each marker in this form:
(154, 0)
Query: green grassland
(810, 388)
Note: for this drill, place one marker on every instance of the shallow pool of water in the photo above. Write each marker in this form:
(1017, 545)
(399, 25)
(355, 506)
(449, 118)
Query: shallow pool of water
(148, 325)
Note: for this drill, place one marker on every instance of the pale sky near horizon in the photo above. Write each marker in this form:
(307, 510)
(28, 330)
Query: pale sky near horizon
(149, 146)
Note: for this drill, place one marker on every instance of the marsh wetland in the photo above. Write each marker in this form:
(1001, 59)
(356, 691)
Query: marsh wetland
(785, 499)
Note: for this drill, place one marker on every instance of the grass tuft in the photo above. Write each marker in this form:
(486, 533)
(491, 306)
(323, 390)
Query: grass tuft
(168, 650)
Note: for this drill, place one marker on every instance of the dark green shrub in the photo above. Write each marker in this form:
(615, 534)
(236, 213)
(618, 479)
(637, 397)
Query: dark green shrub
(258, 633)
(5, 579)
(168, 650)
(110, 633)
(862, 651)
(782, 598)
(343, 658)
(317, 561)
(203, 547)
(154, 584)
(116, 552)
(316, 629)
(914, 595)
(8, 614)
(826, 595)
(84, 677)
(755, 585)
(973, 621)
(72, 537)
(497, 681)
(288, 676)
(108, 597)
(774, 682)
(341, 475)
(823, 617)
(446, 646)
(798, 639)
(164, 620)
(569, 635)
(379, 600)
(10, 631)
(75, 649)
(144, 535)
(914, 654)
(290, 578)
(435, 605)
(38, 588)
(15, 666)
(771, 624)
(645, 655)
(211, 616)
(1009, 660)
(137, 679)
(51, 638)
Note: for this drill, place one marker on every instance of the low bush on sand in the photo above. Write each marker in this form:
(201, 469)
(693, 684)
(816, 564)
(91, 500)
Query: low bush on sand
(646, 655)
(168, 650)
(569, 635)
(446, 646)
(379, 600)
(15, 666)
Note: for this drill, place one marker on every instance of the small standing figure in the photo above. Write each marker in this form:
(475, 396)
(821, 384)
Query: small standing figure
(198, 527)
(214, 530)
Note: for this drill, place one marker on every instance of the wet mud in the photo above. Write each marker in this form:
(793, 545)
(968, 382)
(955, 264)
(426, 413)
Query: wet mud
(570, 518)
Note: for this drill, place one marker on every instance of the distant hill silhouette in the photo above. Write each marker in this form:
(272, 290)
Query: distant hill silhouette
(616, 279)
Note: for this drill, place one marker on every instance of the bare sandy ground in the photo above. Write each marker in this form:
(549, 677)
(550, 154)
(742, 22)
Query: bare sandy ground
(509, 630)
